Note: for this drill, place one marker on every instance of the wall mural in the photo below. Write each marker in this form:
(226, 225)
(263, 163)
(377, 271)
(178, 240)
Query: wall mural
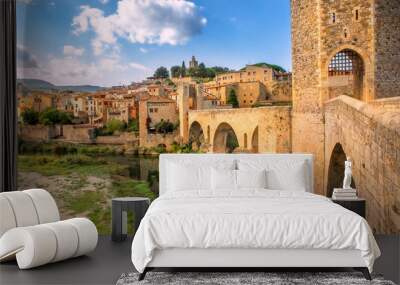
(105, 86)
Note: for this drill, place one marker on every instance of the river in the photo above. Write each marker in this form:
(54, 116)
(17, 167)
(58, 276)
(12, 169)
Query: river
(144, 168)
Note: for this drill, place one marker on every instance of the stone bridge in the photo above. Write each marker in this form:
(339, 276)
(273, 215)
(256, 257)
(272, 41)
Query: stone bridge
(369, 133)
(264, 129)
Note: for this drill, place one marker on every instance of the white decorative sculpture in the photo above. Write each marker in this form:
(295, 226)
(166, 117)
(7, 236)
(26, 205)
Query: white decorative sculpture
(347, 174)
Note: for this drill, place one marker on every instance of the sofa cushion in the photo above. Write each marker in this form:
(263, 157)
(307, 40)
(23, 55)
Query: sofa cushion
(23, 208)
(7, 220)
(46, 207)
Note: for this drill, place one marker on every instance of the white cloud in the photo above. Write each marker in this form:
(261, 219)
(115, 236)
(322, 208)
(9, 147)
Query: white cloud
(73, 51)
(72, 70)
(143, 50)
(103, 1)
(160, 22)
(139, 66)
(25, 59)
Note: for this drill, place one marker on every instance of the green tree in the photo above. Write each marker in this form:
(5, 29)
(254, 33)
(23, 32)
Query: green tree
(269, 65)
(52, 116)
(219, 69)
(30, 117)
(175, 71)
(164, 127)
(161, 72)
(210, 73)
(201, 71)
(231, 142)
(232, 99)
(183, 69)
(115, 125)
(133, 125)
(191, 72)
(65, 118)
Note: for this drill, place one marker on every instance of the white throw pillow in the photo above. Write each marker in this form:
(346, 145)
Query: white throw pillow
(290, 175)
(251, 178)
(188, 177)
(223, 179)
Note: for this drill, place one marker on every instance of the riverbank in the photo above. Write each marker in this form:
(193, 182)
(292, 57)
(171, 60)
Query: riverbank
(63, 148)
(83, 184)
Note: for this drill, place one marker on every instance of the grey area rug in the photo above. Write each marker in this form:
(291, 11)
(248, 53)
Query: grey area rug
(228, 278)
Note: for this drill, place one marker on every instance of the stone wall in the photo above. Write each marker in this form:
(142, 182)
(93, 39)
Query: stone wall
(38, 133)
(307, 117)
(387, 47)
(121, 139)
(347, 32)
(266, 129)
(282, 91)
(78, 133)
(157, 112)
(248, 93)
(154, 140)
(370, 135)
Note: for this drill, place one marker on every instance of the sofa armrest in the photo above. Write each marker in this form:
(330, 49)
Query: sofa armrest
(41, 244)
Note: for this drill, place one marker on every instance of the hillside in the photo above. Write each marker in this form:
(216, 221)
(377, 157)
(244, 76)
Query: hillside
(37, 84)
(273, 66)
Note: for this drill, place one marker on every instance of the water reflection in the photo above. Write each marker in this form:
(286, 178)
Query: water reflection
(144, 168)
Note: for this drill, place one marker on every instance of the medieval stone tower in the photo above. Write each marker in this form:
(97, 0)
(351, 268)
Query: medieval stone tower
(340, 47)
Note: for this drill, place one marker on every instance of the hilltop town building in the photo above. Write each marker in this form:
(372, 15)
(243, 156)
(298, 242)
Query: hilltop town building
(156, 90)
(193, 63)
(252, 84)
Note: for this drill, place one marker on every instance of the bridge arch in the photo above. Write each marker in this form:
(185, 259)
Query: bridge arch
(336, 169)
(225, 139)
(196, 134)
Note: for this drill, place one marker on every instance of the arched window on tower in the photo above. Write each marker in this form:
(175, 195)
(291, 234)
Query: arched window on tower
(346, 74)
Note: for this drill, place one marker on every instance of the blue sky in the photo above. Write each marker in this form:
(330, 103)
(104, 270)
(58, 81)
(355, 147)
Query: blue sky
(110, 42)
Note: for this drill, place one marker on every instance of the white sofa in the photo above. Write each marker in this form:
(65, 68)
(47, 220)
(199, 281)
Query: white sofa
(31, 230)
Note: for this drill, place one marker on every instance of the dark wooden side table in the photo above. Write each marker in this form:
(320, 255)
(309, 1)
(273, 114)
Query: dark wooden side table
(356, 205)
(120, 208)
